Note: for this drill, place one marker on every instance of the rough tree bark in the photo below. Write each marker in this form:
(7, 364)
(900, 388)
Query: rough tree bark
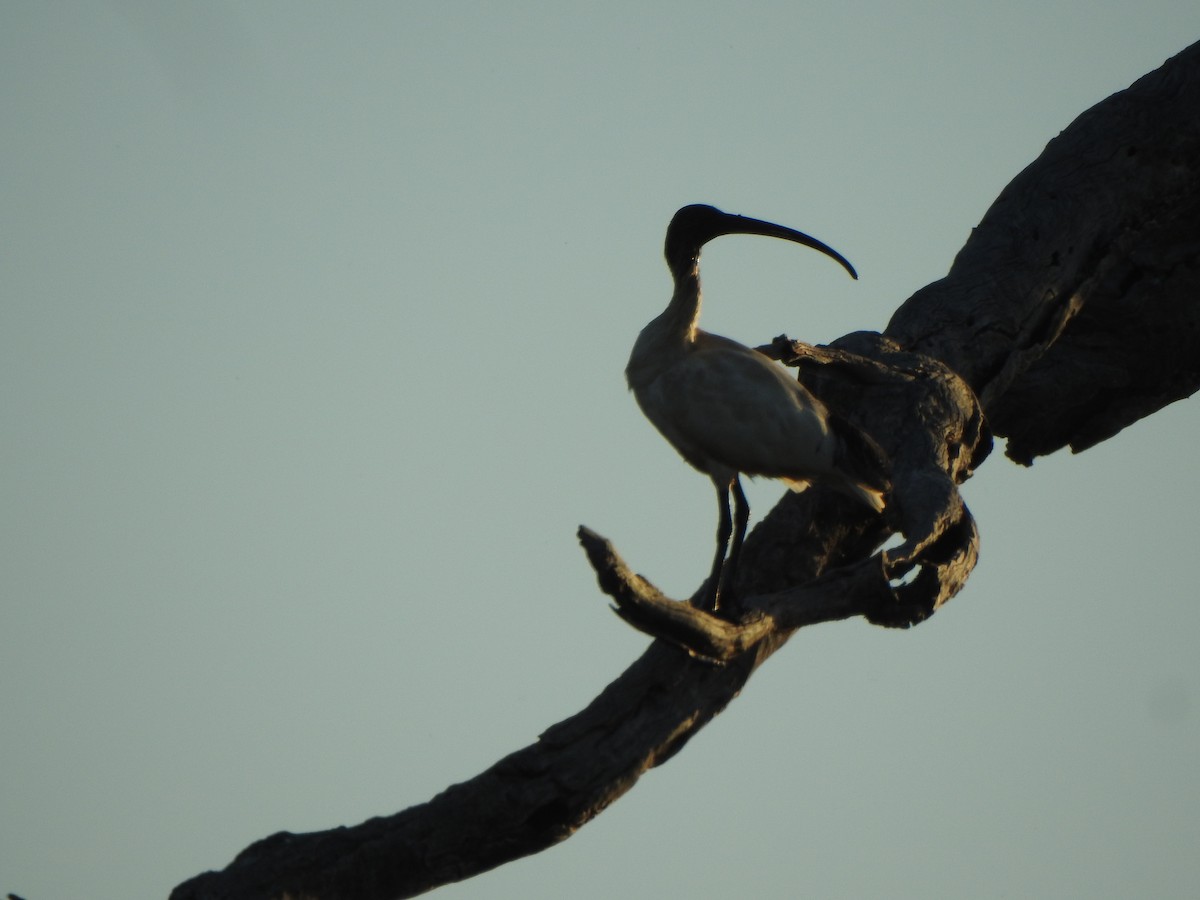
(1071, 312)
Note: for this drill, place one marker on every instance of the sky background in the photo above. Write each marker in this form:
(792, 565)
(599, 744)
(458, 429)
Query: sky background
(313, 320)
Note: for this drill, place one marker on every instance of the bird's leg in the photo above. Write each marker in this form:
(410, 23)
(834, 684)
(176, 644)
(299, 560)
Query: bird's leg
(724, 529)
(741, 517)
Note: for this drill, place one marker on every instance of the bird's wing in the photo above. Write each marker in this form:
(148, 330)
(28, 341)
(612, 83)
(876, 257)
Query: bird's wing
(727, 407)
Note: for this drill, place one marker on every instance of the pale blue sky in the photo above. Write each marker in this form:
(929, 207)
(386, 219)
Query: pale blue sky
(312, 331)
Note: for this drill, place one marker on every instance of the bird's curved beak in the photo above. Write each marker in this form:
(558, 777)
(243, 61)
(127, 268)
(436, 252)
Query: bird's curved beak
(734, 224)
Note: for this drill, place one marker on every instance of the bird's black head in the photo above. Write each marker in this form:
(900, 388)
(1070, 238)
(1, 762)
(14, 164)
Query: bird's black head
(690, 229)
(694, 226)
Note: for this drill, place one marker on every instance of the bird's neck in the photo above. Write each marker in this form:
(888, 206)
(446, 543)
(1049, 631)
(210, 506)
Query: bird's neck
(682, 316)
(671, 334)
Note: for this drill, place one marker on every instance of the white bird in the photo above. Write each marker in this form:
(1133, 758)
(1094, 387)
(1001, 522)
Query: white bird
(728, 409)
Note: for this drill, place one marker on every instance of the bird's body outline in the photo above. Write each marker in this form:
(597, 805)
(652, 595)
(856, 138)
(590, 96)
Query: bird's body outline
(718, 380)
(730, 410)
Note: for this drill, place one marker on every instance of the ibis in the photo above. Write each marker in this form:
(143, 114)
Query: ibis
(729, 410)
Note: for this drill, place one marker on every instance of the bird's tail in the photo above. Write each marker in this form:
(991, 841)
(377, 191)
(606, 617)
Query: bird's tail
(861, 492)
(869, 496)
(863, 465)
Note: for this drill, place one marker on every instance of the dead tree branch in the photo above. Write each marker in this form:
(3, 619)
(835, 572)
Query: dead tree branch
(1070, 313)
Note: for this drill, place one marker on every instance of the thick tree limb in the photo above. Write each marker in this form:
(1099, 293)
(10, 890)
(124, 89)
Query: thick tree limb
(1071, 310)
(1070, 313)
